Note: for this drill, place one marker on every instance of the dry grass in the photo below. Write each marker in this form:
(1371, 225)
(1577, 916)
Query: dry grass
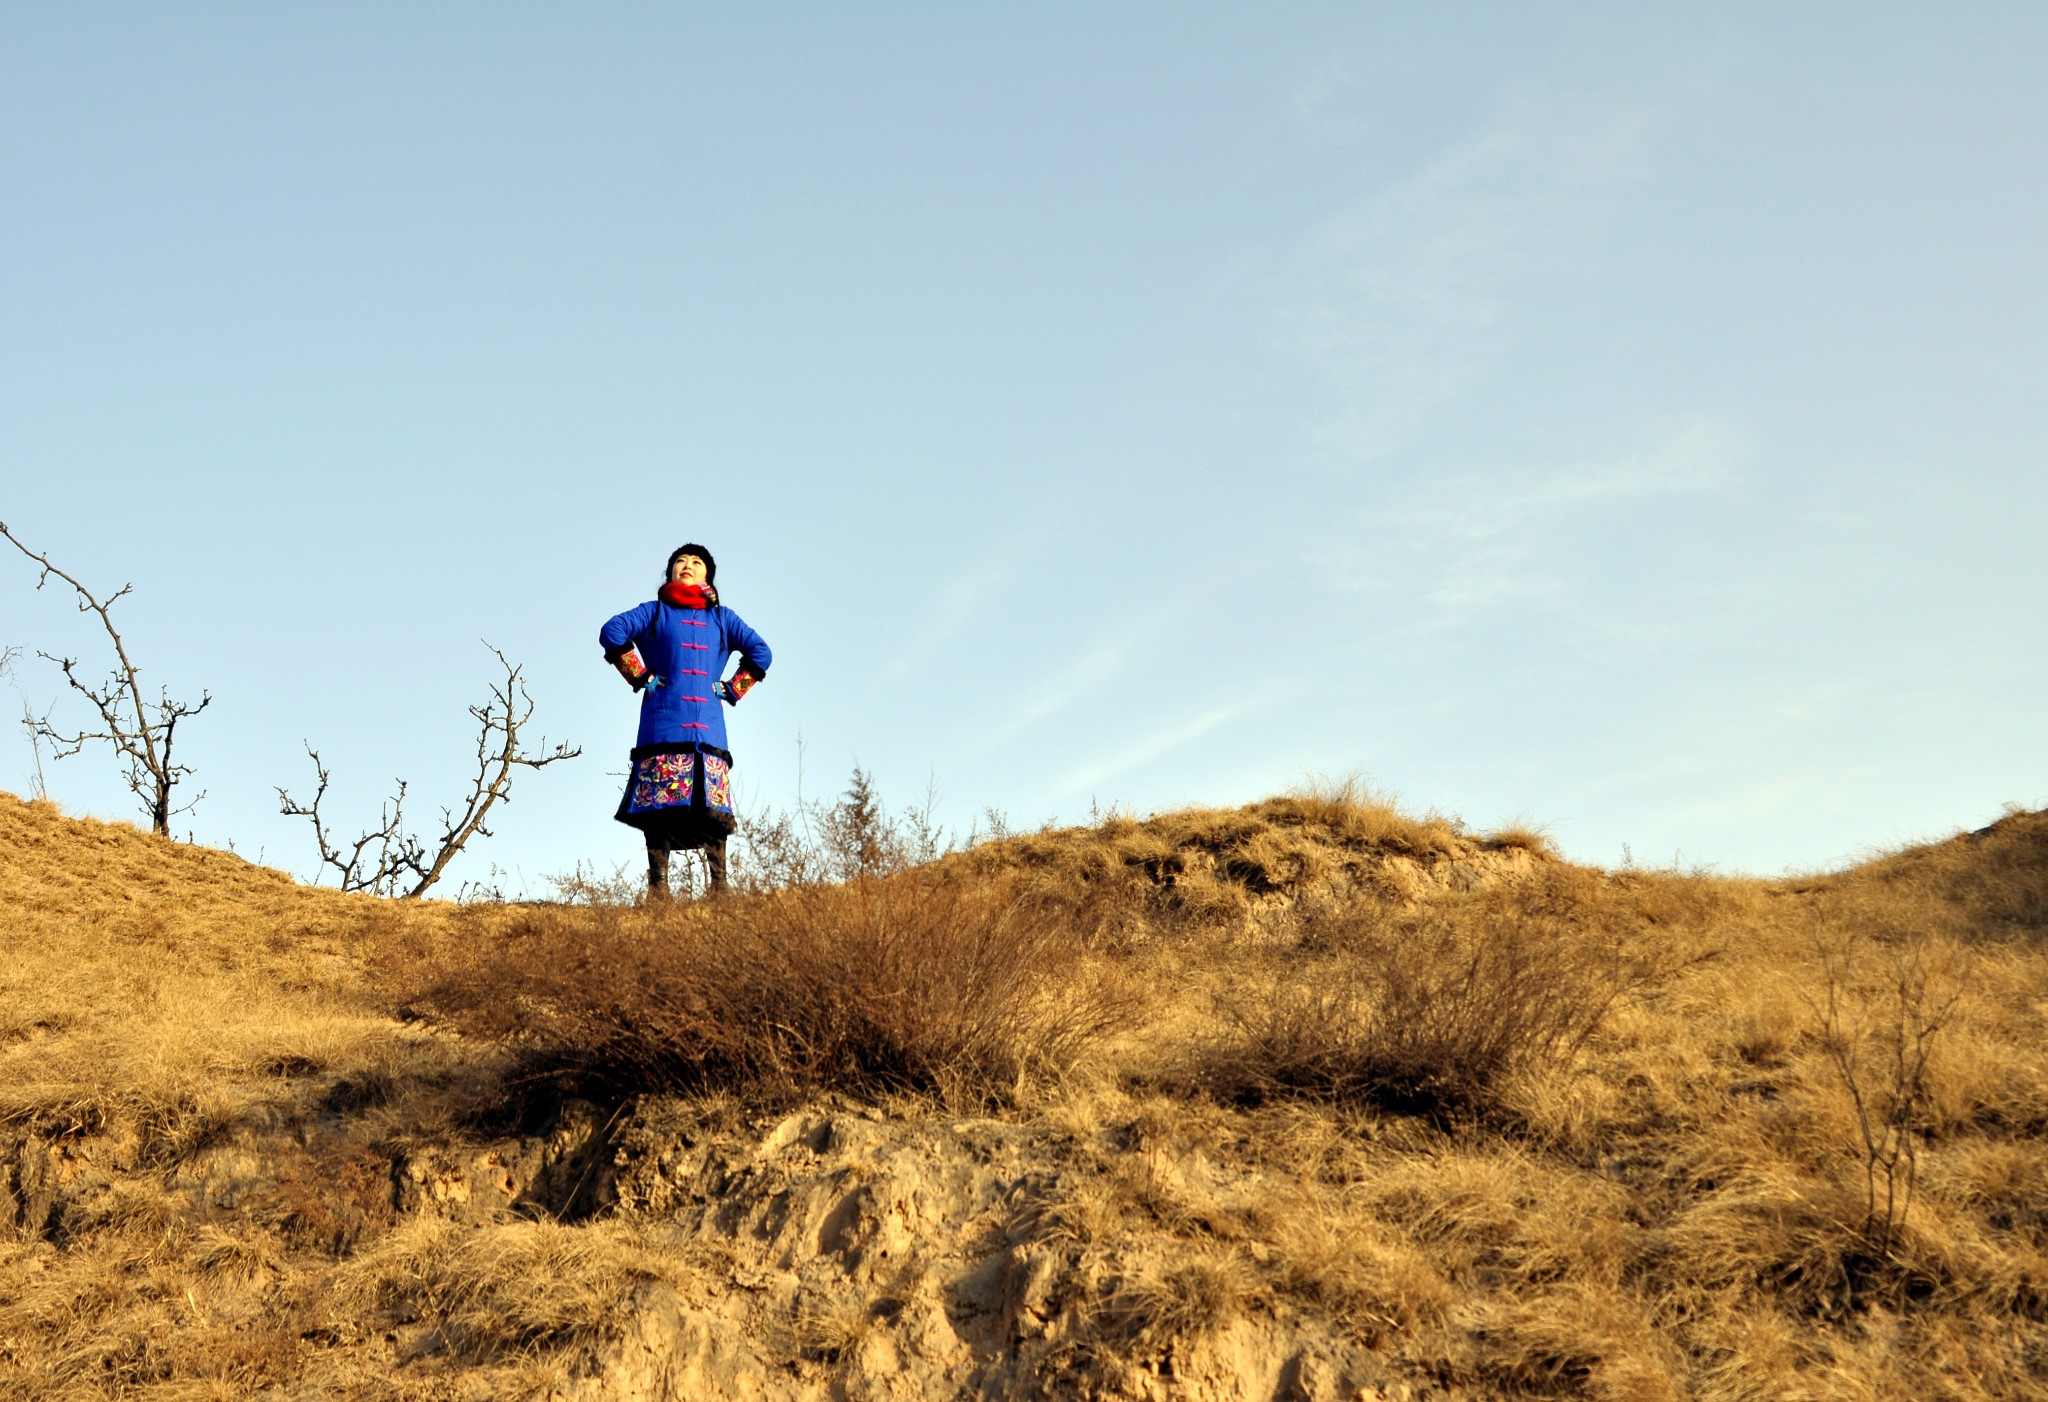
(176, 1028)
(504, 1290)
(1126, 879)
(1434, 1009)
(917, 981)
(1645, 1169)
(1991, 883)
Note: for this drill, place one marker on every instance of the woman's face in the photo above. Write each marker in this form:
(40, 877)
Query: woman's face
(688, 570)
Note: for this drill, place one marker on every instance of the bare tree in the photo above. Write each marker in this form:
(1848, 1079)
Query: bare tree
(388, 860)
(141, 732)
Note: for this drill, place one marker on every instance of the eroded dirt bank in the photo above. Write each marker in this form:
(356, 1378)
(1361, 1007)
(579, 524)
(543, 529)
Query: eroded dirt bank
(835, 1252)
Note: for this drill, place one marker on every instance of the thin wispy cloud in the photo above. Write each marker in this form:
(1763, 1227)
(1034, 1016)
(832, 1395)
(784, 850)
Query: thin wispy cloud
(1750, 802)
(957, 602)
(1074, 681)
(1157, 746)
(1462, 544)
(1411, 290)
(1321, 103)
(1693, 455)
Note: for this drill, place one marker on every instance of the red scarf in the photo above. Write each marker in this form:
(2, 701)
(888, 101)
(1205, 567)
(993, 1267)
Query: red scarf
(688, 596)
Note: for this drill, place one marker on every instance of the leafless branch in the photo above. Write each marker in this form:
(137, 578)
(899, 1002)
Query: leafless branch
(401, 857)
(498, 753)
(396, 853)
(1889, 1097)
(141, 732)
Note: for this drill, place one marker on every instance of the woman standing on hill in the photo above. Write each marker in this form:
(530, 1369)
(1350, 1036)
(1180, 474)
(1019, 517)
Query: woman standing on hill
(672, 650)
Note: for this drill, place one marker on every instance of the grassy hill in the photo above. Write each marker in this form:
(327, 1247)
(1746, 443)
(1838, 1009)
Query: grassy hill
(1308, 1099)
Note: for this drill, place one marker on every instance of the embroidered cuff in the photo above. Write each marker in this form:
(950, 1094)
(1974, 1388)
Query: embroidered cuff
(739, 685)
(627, 660)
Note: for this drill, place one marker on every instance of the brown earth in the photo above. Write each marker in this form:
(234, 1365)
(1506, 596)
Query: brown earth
(259, 1139)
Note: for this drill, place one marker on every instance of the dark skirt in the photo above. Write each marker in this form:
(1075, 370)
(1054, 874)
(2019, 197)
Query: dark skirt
(680, 795)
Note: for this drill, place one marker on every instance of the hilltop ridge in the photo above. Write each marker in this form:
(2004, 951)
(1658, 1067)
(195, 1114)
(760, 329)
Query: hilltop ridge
(1193, 1106)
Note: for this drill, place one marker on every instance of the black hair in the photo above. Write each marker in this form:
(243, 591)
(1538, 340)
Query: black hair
(710, 565)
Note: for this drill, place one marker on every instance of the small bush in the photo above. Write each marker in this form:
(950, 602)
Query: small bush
(589, 884)
(1430, 1011)
(852, 836)
(917, 981)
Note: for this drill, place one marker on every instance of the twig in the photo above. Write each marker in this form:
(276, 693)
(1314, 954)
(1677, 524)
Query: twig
(397, 853)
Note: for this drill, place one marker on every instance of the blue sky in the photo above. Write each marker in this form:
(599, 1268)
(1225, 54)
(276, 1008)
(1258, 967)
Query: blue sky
(1624, 421)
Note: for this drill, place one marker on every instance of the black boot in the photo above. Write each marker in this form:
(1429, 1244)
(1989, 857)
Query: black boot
(657, 872)
(714, 862)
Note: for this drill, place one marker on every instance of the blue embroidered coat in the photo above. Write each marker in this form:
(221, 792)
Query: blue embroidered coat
(686, 651)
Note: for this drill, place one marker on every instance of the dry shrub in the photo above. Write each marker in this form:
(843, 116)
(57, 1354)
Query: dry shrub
(140, 1316)
(1881, 1048)
(328, 1196)
(915, 982)
(853, 835)
(1432, 1010)
(589, 884)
